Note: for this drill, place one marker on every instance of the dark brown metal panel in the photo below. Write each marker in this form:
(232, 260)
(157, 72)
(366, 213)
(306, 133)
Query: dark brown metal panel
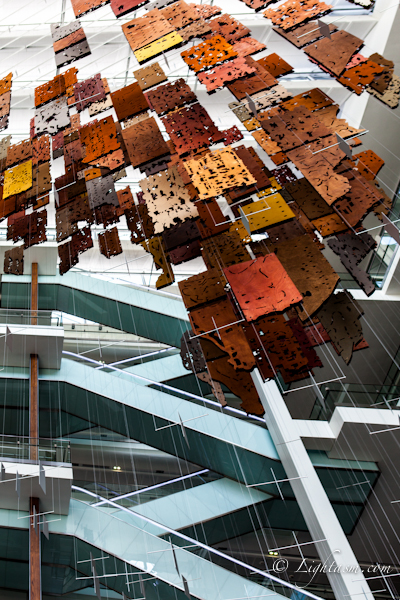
(305, 34)
(309, 270)
(150, 76)
(89, 91)
(217, 322)
(14, 261)
(275, 65)
(191, 128)
(335, 53)
(144, 142)
(170, 96)
(224, 250)
(129, 101)
(308, 199)
(228, 27)
(340, 317)
(351, 249)
(203, 288)
(109, 243)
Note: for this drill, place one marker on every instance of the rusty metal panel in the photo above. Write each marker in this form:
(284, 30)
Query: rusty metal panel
(56, 87)
(335, 53)
(167, 199)
(218, 171)
(69, 253)
(40, 149)
(198, 29)
(206, 11)
(146, 29)
(351, 250)
(150, 76)
(170, 96)
(262, 286)
(284, 175)
(72, 53)
(340, 316)
(31, 228)
(139, 223)
(129, 101)
(106, 215)
(167, 42)
(232, 135)
(52, 117)
(89, 91)
(308, 199)
(144, 142)
(185, 253)
(71, 38)
(14, 261)
(125, 198)
(156, 247)
(327, 116)
(101, 191)
(217, 322)
(330, 225)
(254, 164)
(294, 128)
(276, 348)
(368, 164)
(81, 7)
(294, 12)
(191, 128)
(17, 153)
(17, 179)
(109, 243)
(359, 77)
(123, 7)
(314, 99)
(239, 383)
(391, 95)
(179, 14)
(266, 142)
(210, 53)
(41, 181)
(229, 28)
(224, 249)
(234, 69)
(5, 84)
(98, 139)
(309, 270)
(58, 32)
(266, 212)
(181, 235)
(247, 46)
(275, 65)
(358, 201)
(305, 34)
(203, 288)
(318, 168)
(212, 221)
(274, 95)
(64, 226)
(382, 82)
(259, 80)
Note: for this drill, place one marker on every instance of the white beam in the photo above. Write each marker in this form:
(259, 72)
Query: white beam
(335, 551)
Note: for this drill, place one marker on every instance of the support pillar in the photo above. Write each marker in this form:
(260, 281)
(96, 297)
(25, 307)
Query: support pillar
(35, 580)
(314, 504)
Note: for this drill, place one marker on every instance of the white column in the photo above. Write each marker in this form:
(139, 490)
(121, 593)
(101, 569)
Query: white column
(314, 504)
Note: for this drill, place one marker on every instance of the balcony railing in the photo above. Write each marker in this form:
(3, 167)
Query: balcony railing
(19, 448)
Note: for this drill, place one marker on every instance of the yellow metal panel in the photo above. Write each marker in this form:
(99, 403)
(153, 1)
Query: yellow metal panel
(164, 43)
(266, 212)
(17, 179)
